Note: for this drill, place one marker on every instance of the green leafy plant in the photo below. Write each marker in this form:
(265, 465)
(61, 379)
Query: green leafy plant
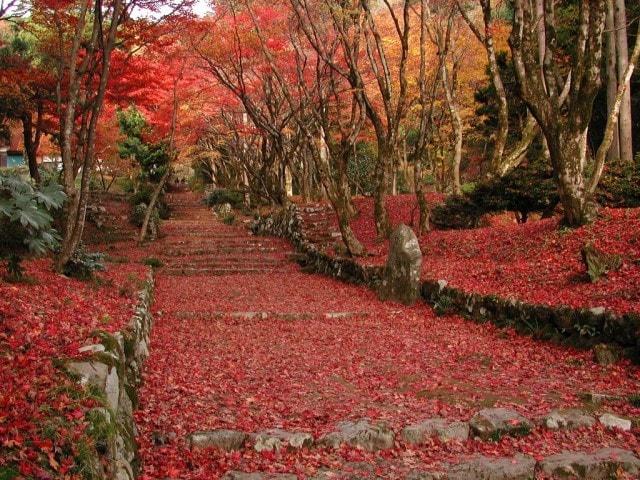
(83, 265)
(153, 262)
(229, 219)
(26, 221)
(220, 196)
(526, 190)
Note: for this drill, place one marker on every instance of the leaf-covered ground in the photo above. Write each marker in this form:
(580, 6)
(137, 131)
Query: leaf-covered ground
(234, 351)
(42, 423)
(537, 262)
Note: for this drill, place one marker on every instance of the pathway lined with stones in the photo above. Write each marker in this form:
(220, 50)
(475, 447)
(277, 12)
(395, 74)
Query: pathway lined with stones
(258, 370)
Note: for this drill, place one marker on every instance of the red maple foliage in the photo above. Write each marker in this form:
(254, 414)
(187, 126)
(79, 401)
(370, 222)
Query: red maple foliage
(42, 410)
(537, 262)
(215, 365)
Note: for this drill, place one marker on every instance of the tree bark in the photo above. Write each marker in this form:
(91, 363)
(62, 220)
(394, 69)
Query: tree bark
(622, 50)
(456, 122)
(385, 155)
(612, 77)
(611, 126)
(423, 207)
(31, 145)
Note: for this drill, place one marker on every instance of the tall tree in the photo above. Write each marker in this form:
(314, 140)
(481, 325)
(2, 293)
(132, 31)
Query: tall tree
(612, 75)
(486, 38)
(564, 126)
(622, 51)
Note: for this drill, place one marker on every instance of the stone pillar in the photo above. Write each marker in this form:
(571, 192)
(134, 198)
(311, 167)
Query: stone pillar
(401, 278)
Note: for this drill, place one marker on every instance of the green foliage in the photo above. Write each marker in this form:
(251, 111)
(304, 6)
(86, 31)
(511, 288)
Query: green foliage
(361, 167)
(26, 222)
(619, 186)
(153, 262)
(229, 219)
(599, 263)
(153, 158)
(634, 400)
(527, 189)
(138, 213)
(83, 265)
(126, 185)
(488, 105)
(220, 196)
(8, 473)
(143, 196)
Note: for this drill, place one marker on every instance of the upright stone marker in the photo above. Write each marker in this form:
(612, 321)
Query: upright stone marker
(401, 279)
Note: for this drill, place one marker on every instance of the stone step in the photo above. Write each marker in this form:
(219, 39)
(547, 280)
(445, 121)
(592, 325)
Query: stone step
(214, 266)
(218, 271)
(264, 315)
(239, 249)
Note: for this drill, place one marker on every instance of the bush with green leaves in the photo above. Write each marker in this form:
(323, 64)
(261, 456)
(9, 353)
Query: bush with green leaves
(153, 158)
(143, 195)
(83, 265)
(526, 190)
(26, 221)
(220, 196)
(361, 168)
(620, 185)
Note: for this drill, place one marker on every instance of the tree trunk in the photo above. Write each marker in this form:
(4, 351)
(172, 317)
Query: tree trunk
(612, 77)
(423, 207)
(152, 205)
(30, 148)
(622, 50)
(611, 127)
(456, 122)
(288, 181)
(385, 156)
(353, 245)
(568, 156)
(519, 151)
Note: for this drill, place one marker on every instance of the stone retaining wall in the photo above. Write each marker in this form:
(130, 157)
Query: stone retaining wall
(113, 371)
(579, 327)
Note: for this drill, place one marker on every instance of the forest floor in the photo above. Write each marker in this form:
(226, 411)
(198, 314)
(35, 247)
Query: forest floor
(42, 320)
(537, 262)
(244, 340)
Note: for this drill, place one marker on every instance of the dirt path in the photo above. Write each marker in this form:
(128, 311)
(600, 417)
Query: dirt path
(245, 341)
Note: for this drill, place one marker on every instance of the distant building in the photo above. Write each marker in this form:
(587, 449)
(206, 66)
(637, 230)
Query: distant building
(11, 158)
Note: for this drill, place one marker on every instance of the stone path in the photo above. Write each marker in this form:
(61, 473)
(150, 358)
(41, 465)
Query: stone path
(258, 370)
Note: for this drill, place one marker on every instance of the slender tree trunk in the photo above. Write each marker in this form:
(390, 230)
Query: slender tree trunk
(519, 151)
(622, 50)
(385, 156)
(612, 77)
(152, 205)
(456, 122)
(423, 207)
(30, 148)
(611, 127)
(486, 39)
(288, 181)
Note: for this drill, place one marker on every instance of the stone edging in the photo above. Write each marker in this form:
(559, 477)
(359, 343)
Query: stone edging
(114, 370)
(579, 327)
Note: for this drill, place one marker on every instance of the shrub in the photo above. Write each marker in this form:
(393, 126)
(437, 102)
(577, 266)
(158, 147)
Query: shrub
(26, 223)
(229, 219)
(223, 195)
(153, 262)
(619, 185)
(83, 265)
(525, 190)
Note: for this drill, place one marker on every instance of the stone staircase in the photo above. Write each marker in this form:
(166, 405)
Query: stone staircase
(486, 425)
(319, 225)
(195, 243)
(245, 315)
